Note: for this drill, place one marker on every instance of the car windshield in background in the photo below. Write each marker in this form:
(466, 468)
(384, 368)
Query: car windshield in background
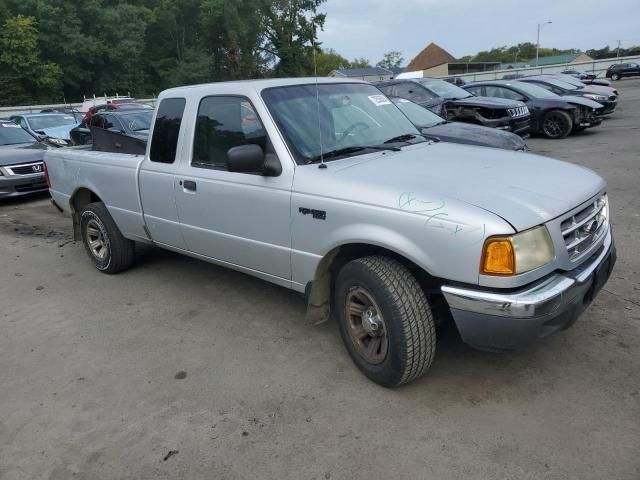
(13, 134)
(534, 90)
(137, 121)
(560, 83)
(418, 115)
(337, 116)
(570, 80)
(50, 121)
(444, 89)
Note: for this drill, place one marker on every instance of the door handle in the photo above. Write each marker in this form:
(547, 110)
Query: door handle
(189, 185)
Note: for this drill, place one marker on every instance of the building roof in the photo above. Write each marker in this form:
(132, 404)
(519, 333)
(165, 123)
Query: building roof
(363, 72)
(397, 70)
(430, 57)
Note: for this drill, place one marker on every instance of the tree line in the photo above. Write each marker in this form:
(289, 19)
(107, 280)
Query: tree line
(525, 52)
(55, 50)
(62, 50)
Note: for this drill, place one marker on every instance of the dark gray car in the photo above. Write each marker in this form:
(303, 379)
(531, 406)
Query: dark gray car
(21, 162)
(434, 127)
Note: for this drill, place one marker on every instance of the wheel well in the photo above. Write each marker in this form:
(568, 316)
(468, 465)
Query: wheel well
(319, 292)
(80, 199)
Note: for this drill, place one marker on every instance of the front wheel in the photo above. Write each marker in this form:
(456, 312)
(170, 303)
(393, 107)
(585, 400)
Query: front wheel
(107, 248)
(557, 124)
(385, 320)
(615, 76)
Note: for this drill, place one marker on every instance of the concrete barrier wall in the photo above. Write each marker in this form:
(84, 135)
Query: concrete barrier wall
(8, 111)
(599, 67)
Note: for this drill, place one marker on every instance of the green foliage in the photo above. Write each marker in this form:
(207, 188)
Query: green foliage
(69, 48)
(523, 52)
(329, 60)
(23, 75)
(391, 59)
(359, 63)
(607, 52)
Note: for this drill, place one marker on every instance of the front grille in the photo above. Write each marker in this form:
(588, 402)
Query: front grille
(31, 187)
(586, 227)
(27, 169)
(518, 111)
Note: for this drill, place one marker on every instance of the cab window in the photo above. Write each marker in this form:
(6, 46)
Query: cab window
(166, 130)
(224, 122)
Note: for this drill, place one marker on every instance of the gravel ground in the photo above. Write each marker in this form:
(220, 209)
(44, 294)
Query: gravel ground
(180, 369)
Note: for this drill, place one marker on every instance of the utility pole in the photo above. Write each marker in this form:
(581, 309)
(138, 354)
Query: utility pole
(540, 25)
(618, 50)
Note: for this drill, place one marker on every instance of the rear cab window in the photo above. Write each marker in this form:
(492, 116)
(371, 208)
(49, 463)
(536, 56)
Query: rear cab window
(166, 130)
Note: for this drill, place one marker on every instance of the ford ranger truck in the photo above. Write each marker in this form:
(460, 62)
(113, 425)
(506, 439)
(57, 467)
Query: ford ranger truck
(326, 188)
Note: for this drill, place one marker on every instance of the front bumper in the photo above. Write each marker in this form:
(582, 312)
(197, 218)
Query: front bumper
(18, 185)
(609, 107)
(520, 125)
(491, 320)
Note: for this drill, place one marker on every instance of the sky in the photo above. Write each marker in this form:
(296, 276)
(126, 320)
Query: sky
(369, 28)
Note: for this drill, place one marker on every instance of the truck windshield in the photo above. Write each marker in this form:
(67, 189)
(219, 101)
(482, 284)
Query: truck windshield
(12, 134)
(137, 121)
(338, 117)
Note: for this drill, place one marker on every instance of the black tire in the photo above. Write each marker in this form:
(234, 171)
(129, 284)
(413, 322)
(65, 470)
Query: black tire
(112, 253)
(407, 320)
(556, 124)
(615, 76)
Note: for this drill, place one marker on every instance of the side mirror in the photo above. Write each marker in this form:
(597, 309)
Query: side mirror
(245, 158)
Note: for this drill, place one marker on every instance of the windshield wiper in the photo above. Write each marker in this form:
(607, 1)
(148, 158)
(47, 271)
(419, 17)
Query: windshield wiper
(401, 138)
(349, 150)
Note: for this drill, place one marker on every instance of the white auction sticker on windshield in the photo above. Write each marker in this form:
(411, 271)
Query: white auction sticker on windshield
(379, 100)
(10, 125)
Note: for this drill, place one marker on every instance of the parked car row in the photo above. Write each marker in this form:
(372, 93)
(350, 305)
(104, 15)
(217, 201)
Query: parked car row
(553, 106)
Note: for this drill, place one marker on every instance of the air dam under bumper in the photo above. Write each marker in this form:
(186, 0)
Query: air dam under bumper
(491, 320)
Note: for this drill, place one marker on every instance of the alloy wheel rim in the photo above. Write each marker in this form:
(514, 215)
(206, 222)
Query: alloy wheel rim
(553, 126)
(96, 240)
(365, 325)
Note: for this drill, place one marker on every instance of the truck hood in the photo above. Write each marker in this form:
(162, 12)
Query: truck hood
(582, 101)
(524, 189)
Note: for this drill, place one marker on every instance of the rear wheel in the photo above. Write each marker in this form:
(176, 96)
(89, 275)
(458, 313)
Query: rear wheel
(385, 320)
(557, 124)
(615, 76)
(107, 248)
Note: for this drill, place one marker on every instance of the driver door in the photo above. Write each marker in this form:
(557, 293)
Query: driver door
(237, 218)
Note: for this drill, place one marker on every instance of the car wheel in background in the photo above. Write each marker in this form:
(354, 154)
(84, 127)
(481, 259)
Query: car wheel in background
(557, 124)
(109, 251)
(385, 320)
(615, 76)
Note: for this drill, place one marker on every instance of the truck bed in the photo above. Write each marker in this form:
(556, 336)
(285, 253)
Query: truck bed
(112, 176)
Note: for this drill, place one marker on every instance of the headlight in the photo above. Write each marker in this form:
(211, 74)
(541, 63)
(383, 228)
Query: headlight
(595, 97)
(519, 253)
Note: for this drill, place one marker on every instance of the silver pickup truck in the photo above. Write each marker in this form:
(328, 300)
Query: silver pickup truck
(326, 188)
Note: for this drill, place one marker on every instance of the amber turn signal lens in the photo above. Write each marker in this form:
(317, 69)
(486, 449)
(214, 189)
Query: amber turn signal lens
(498, 257)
